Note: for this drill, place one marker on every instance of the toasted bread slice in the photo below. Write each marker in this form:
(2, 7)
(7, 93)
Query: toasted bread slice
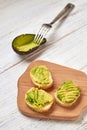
(66, 104)
(67, 94)
(41, 77)
(38, 99)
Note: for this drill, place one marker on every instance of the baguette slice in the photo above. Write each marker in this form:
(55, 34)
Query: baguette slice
(38, 99)
(41, 77)
(67, 94)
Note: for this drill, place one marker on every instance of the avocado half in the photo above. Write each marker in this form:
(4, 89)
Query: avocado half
(23, 44)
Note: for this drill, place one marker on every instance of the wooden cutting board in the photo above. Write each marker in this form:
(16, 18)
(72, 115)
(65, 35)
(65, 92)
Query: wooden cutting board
(59, 74)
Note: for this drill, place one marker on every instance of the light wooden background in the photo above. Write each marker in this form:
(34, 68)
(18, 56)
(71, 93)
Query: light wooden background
(67, 45)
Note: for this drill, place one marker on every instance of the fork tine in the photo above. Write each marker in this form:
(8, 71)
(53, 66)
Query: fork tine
(38, 34)
(43, 36)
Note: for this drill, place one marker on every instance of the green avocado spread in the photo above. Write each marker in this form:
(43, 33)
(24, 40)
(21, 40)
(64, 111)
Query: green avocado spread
(27, 46)
(68, 92)
(38, 97)
(24, 43)
(41, 75)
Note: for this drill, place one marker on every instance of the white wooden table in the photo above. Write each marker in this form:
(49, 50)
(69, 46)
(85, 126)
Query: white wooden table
(67, 45)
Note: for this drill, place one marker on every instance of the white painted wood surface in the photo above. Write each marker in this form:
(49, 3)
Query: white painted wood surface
(67, 45)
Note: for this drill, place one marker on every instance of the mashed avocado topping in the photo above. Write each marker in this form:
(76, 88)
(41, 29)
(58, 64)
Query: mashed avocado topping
(27, 46)
(24, 43)
(38, 97)
(68, 92)
(41, 75)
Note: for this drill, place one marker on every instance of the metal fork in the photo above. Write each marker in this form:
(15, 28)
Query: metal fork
(46, 27)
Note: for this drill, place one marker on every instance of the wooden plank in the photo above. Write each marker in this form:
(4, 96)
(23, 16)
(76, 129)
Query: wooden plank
(60, 75)
(67, 43)
(19, 20)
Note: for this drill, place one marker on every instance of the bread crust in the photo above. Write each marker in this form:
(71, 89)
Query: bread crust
(39, 85)
(65, 104)
(35, 108)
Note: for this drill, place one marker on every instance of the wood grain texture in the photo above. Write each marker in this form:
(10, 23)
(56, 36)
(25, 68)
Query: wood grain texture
(60, 74)
(17, 18)
(67, 45)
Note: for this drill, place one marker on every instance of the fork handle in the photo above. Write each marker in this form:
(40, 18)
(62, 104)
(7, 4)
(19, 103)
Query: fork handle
(66, 10)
